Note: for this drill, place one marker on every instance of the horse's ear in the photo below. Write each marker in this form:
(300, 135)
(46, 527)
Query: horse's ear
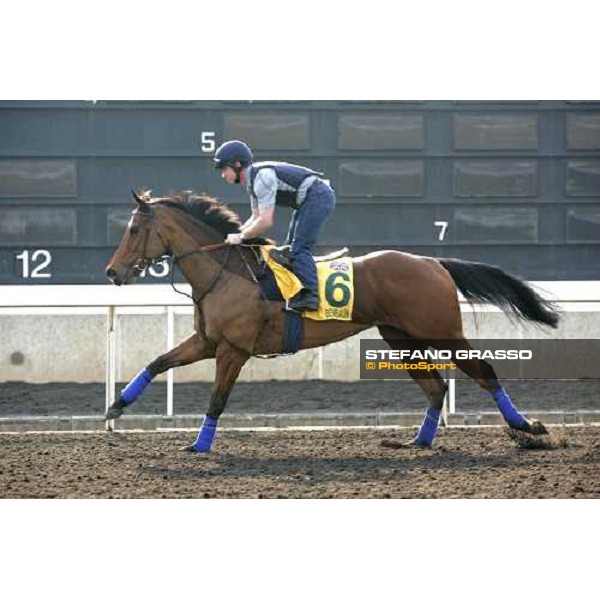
(139, 200)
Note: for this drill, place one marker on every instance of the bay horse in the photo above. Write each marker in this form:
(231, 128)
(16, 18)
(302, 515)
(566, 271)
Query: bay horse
(411, 299)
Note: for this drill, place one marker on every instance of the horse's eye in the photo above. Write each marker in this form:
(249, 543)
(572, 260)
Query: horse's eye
(134, 230)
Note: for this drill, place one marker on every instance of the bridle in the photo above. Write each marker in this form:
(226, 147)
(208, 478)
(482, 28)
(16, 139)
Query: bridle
(144, 262)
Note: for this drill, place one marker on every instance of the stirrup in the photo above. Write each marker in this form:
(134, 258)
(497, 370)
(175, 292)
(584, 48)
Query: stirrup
(303, 301)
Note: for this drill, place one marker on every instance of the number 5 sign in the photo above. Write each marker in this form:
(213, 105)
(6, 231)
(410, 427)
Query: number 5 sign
(207, 141)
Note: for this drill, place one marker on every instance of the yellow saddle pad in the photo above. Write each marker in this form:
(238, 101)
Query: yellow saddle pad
(336, 286)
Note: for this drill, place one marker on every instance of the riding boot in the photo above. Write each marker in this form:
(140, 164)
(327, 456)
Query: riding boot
(306, 271)
(304, 300)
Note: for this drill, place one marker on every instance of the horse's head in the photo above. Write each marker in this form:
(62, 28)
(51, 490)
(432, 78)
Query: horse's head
(140, 245)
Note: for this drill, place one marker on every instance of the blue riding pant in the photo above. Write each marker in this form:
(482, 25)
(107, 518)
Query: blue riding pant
(304, 229)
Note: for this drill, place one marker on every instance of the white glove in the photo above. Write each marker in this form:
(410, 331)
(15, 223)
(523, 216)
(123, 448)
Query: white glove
(234, 238)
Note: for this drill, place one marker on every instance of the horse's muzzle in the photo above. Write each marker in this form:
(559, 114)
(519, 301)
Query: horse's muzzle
(114, 276)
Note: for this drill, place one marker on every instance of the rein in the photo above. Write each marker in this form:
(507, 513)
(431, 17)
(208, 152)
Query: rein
(208, 248)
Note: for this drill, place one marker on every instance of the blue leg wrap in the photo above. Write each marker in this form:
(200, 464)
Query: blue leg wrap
(136, 386)
(509, 411)
(206, 435)
(428, 427)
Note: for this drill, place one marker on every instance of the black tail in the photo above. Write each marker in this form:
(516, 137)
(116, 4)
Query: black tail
(487, 283)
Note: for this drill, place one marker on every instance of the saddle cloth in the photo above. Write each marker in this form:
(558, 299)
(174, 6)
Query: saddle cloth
(336, 286)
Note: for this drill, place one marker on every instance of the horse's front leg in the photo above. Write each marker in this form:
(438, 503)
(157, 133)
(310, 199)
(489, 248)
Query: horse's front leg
(191, 350)
(230, 361)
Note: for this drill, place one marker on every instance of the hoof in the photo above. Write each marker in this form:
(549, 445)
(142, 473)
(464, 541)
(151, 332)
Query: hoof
(534, 427)
(113, 413)
(397, 444)
(115, 410)
(421, 444)
(193, 450)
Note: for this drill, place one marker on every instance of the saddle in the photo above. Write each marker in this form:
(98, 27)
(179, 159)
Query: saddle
(283, 256)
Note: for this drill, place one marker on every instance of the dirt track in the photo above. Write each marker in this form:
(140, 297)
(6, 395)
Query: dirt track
(481, 463)
(465, 463)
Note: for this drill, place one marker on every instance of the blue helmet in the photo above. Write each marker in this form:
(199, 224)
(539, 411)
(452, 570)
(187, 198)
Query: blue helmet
(229, 153)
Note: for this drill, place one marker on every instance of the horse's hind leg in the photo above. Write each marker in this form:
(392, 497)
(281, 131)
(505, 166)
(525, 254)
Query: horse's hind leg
(192, 349)
(484, 374)
(430, 382)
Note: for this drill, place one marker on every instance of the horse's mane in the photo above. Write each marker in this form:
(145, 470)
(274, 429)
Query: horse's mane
(208, 210)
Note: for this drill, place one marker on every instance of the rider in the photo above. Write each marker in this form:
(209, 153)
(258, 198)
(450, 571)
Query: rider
(279, 183)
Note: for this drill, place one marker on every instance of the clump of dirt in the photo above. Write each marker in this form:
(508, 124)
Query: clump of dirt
(548, 441)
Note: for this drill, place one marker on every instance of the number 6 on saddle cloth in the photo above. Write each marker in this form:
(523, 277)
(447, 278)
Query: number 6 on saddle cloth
(335, 276)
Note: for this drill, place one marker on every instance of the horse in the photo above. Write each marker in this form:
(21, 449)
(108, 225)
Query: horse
(411, 299)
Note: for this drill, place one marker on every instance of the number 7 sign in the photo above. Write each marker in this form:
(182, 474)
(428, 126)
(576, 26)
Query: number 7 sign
(443, 225)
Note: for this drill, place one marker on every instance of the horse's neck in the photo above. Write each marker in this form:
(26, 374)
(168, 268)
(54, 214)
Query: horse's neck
(198, 268)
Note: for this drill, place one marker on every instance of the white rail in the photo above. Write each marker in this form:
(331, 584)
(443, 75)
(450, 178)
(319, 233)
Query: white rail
(20, 299)
(29, 296)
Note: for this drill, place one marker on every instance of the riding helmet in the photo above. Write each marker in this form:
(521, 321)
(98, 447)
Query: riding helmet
(229, 153)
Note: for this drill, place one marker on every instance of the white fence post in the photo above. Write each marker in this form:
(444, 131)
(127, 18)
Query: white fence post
(449, 407)
(111, 362)
(451, 395)
(170, 343)
(321, 359)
